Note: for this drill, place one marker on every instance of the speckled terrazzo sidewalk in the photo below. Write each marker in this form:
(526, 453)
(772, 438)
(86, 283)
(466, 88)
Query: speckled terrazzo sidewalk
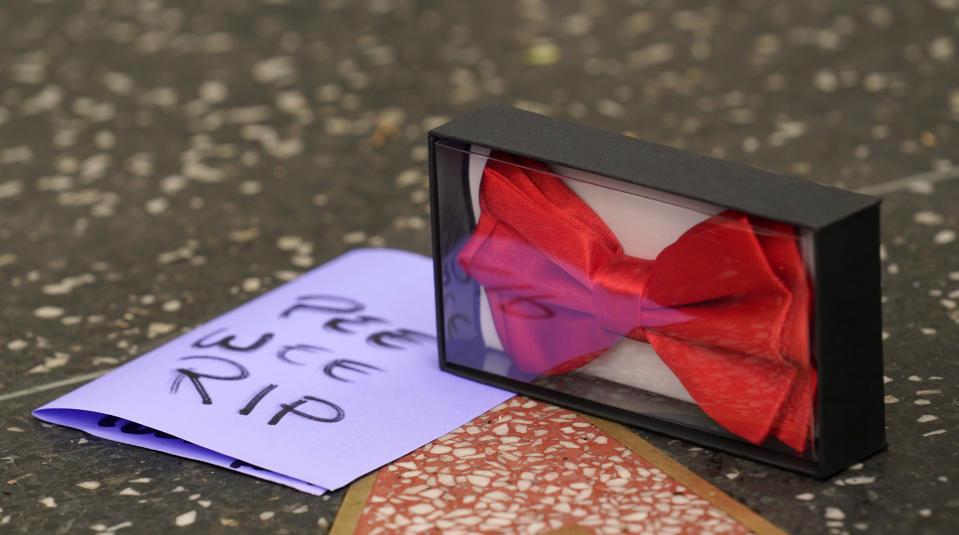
(162, 162)
(530, 467)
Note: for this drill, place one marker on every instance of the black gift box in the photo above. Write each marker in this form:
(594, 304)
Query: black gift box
(836, 233)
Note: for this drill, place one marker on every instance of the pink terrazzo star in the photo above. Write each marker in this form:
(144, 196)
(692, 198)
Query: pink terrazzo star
(529, 467)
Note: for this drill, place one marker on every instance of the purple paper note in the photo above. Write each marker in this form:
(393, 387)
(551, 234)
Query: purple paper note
(311, 385)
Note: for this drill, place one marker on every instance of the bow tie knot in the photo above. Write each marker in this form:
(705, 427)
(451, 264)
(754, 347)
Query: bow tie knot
(618, 296)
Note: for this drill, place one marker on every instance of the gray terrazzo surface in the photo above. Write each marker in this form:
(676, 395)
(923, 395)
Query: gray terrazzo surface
(163, 161)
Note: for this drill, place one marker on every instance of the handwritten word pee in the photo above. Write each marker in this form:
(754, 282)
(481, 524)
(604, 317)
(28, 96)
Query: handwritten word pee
(342, 316)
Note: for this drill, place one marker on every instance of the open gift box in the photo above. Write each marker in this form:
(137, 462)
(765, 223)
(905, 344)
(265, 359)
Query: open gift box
(728, 306)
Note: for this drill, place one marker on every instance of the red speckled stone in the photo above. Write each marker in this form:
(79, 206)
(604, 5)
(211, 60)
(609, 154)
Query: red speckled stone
(530, 467)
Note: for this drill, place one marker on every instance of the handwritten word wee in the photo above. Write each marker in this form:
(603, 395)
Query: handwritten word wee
(338, 315)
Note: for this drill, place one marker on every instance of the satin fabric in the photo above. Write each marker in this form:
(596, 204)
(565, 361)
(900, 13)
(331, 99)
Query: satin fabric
(726, 307)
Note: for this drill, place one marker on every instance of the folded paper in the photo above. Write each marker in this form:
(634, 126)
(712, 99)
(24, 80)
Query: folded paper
(310, 385)
(726, 306)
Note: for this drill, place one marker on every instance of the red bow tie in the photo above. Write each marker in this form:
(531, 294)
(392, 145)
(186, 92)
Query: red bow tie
(725, 307)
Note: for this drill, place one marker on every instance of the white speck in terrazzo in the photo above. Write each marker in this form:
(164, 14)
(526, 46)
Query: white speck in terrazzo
(172, 184)
(251, 284)
(925, 512)
(274, 70)
(141, 480)
(250, 187)
(928, 217)
(288, 243)
(159, 328)
(928, 392)
(927, 418)
(71, 320)
(806, 496)
(68, 284)
(156, 206)
(291, 102)
(409, 177)
(213, 91)
(55, 183)
(859, 480)
(128, 491)
(944, 236)
(48, 502)
(942, 48)
(17, 345)
(286, 274)
(915, 378)
(934, 433)
(267, 515)
(244, 235)
(875, 82)
(922, 402)
(204, 503)
(118, 82)
(104, 139)
(478, 480)
(302, 260)
(750, 145)
(56, 361)
(89, 485)
(48, 312)
(10, 188)
(357, 236)
(834, 513)
(185, 519)
(171, 306)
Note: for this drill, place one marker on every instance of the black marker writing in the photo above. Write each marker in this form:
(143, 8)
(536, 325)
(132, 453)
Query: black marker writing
(256, 399)
(336, 324)
(347, 364)
(452, 268)
(383, 338)
(451, 325)
(227, 342)
(338, 413)
(132, 428)
(330, 304)
(236, 464)
(283, 353)
(108, 421)
(195, 377)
